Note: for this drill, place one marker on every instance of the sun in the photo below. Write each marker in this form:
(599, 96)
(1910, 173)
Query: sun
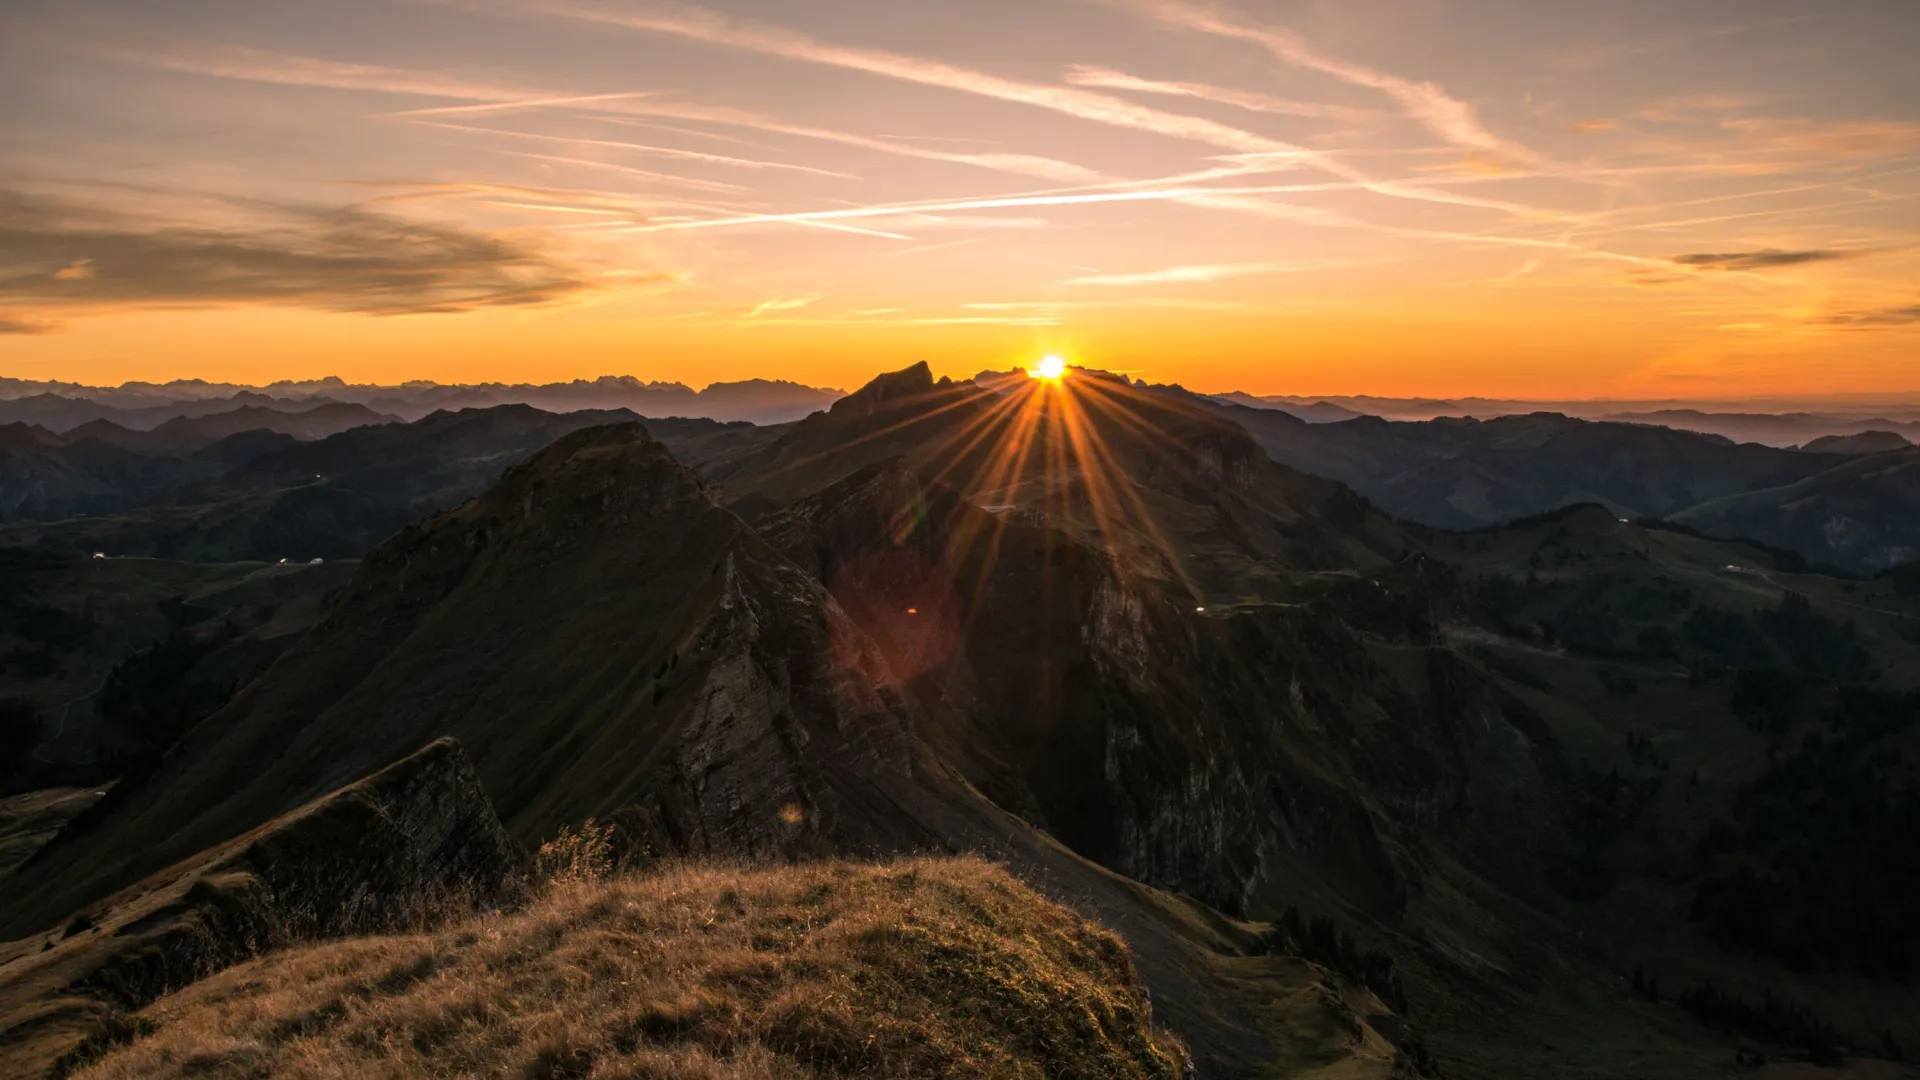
(1050, 368)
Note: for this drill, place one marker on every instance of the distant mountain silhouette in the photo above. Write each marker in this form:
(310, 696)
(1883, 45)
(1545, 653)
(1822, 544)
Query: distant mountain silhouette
(187, 434)
(1463, 473)
(62, 413)
(1784, 429)
(1315, 412)
(48, 476)
(60, 407)
(336, 497)
(1863, 514)
(1866, 442)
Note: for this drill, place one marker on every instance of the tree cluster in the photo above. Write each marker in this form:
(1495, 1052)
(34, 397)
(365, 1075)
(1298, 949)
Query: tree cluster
(1819, 863)
(1773, 1020)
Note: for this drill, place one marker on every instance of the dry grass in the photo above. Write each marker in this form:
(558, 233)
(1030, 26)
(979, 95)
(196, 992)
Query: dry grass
(914, 968)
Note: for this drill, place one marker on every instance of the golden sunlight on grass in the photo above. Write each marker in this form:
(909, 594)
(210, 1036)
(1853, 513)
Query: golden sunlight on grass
(913, 968)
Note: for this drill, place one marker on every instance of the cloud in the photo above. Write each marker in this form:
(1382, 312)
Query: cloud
(643, 148)
(1593, 127)
(1841, 140)
(700, 24)
(71, 256)
(1688, 106)
(10, 325)
(1115, 80)
(779, 305)
(1446, 116)
(261, 65)
(1764, 259)
(1473, 163)
(1908, 315)
(1640, 277)
(1208, 272)
(1193, 195)
(284, 69)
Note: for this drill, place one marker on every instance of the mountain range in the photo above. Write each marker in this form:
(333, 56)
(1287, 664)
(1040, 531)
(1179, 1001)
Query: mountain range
(61, 406)
(1568, 795)
(1849, 504)
(1782, 422)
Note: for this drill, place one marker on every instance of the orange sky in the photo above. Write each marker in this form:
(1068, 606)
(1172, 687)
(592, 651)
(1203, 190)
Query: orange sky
(1416, 197)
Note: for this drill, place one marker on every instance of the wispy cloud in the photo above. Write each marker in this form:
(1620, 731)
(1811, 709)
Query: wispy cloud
(1829, 140)
(12, 325)
(642, 148)
(1429, 103)
(686, 21)
(1178, 303)
(793, 304)
(1691, 106)
(699, 24)
(1877, 318)
(696, 23)
(1587, 57)
(690, 182)
(335, 259)
(1207, 272)
(290, 70)
(1187, 194)
(261, 65)
(1108, 79)
(1642, 277)
(1764, 259)
(1474, 163)
(596, 203)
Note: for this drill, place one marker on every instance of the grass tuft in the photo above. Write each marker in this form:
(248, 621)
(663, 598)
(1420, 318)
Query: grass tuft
(914, 968)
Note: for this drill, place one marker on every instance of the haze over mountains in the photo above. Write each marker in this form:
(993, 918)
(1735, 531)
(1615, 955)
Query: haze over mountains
(1858, 510)
(1450, 472)
(1776, 422)
(61, 406)
(1388, 747)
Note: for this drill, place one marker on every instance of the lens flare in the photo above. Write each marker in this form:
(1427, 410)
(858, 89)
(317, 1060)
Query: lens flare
(1050, 368)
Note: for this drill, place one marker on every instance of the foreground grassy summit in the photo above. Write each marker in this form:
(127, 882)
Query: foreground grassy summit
(920, 967)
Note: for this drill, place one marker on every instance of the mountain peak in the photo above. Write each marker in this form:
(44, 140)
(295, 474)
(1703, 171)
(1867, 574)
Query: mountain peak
(894, 386)
(594, 479)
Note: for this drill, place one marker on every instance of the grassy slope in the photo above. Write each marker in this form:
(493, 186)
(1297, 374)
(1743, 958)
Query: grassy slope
(1859, 515)
(29, 820)
(1589, 703)
(922, 967)
(65, 623)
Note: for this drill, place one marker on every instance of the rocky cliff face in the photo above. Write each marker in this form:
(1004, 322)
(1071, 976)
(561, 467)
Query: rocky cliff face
(413, 843)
